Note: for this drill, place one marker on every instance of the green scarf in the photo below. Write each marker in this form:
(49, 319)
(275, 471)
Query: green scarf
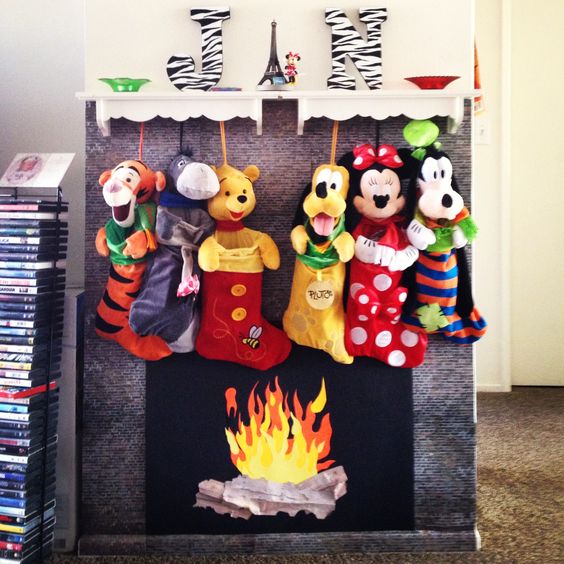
(116, 236)
(443, 235)
(322, 259)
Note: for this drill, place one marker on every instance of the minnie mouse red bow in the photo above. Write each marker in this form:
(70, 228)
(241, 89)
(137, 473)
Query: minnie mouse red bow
(369, 304)
(366, 155)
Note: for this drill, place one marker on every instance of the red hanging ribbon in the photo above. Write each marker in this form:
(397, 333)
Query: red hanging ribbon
(141, 140)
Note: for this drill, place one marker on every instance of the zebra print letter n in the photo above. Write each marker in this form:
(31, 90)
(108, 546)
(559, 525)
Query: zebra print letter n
(180, 68)
(366, 55)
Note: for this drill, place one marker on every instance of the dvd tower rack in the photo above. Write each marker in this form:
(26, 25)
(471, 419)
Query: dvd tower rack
(33, 246)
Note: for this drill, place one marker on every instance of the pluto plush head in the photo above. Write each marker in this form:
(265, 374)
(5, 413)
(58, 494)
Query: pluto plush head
(129, 183)
(325, 199)
(236, 197)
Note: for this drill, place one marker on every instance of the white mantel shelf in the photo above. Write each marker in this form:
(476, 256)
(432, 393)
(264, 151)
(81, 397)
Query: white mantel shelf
(334, 104)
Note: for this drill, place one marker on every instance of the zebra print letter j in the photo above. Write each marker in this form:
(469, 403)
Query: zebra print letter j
(366, 55)
(180, 68)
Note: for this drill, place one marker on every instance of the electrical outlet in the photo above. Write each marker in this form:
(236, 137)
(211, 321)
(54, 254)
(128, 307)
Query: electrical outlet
(482, 135)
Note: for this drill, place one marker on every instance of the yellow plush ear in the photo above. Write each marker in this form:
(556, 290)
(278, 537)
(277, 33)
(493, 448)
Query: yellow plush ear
(160, 181)
(252, 172)
(104, 177)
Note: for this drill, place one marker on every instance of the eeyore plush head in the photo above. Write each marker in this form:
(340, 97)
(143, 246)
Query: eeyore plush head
(188, 180)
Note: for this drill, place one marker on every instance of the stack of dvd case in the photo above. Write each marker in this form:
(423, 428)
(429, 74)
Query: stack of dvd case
(33, 239)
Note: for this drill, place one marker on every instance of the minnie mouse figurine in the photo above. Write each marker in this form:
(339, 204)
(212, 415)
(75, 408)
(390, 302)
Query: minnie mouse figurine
(291, 68)
(382, 254)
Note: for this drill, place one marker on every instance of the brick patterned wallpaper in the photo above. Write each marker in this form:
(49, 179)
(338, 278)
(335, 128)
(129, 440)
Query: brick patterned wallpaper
(114, 388)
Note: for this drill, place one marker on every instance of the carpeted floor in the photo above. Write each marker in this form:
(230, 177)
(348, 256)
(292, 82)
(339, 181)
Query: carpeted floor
(520, 490)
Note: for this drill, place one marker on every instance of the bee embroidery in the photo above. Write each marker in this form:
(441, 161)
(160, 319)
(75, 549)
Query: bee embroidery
(253, 339)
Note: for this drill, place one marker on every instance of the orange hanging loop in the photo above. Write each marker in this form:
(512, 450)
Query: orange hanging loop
(334, 142)
(141, 139)
(223, 142)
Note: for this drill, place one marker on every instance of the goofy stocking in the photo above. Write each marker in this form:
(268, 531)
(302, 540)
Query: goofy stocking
(440, 228)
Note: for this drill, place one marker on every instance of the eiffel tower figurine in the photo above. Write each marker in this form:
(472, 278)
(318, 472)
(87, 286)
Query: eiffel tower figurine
(273, 78)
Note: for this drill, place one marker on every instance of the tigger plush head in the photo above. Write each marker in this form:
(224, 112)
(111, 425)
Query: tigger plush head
(129, 183)
(236, 197)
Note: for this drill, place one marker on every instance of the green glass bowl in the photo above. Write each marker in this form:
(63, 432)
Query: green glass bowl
(125, 84)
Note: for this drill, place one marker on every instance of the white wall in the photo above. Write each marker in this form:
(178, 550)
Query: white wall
(487, 202)
(537, 202)
(414, 39)
(42, 53)
(519, 265)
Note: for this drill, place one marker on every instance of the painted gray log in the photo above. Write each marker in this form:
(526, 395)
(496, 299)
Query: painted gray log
(317, 495)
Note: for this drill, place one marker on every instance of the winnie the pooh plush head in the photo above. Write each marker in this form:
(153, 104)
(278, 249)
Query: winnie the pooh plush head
(236, 197)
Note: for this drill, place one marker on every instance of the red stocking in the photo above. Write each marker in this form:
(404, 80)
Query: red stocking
(232, 326)
(372, 323)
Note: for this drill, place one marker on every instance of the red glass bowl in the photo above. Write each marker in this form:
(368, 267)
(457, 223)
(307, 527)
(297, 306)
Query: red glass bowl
(431, 82)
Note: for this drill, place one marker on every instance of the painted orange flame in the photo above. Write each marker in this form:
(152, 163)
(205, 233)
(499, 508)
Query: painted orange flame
(277, 443)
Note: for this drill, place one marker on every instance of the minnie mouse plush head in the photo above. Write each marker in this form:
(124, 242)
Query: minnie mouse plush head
(375, 183)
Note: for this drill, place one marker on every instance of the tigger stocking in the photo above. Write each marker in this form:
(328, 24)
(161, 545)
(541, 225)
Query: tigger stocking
(126, 239)
(112, 312)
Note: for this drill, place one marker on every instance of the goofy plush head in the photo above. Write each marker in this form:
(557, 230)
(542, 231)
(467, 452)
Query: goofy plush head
(432, 189)
(436, 190)
(129, 183)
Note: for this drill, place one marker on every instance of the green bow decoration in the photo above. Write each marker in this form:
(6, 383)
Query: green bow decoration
(420, 152)
(421, 134)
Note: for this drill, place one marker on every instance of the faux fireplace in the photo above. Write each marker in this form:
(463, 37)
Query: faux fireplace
(402, 441)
